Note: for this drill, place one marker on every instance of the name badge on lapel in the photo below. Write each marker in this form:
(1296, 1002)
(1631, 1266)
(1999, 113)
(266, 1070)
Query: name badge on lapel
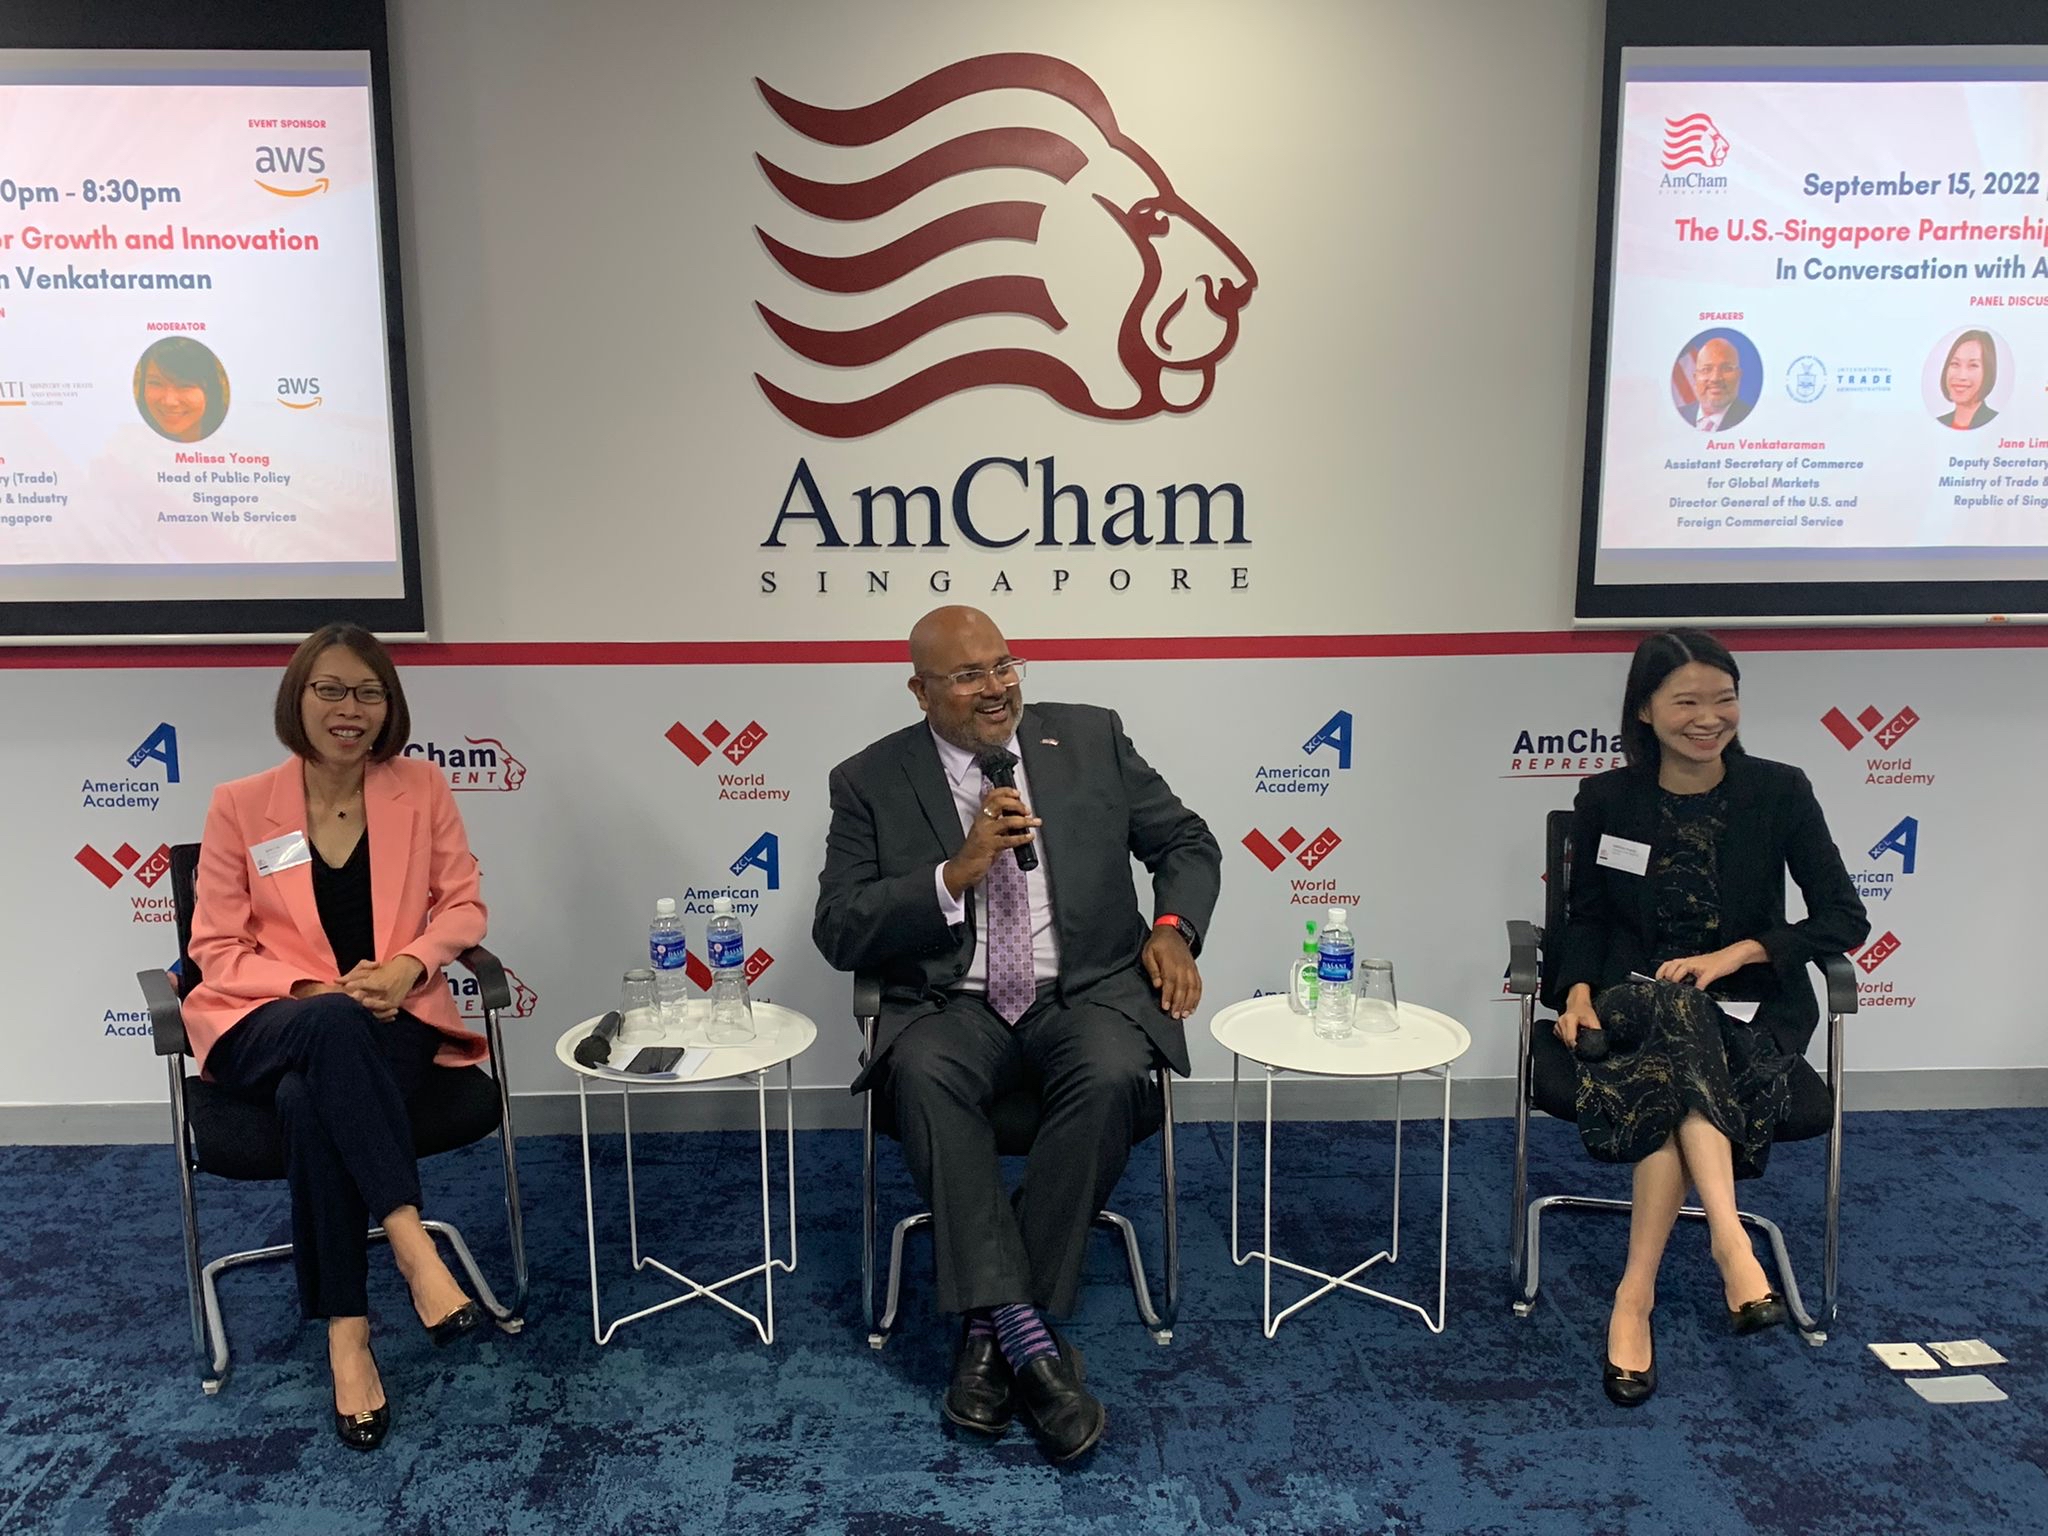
(1619, 853)
(281, 853)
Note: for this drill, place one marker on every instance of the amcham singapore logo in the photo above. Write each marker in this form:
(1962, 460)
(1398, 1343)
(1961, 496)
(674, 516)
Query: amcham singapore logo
(1693, 140)
(481, 763)
(1873, 727)
(1108, 293)
(1571, 753)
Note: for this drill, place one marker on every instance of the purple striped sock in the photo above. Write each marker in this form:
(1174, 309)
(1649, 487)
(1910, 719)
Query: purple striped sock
(978, 1324)
(1022, 1335)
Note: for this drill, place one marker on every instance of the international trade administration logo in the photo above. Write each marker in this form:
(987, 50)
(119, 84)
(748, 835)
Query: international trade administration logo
(130, 793)
(735, 747)
(1101, 335)
(1872, 727)
(1328, 751)
(1806, 380)
(482, 763)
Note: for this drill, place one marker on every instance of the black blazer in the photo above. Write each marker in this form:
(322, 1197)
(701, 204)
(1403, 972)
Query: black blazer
(1774, 824)
(1738, 413)
(894, 822)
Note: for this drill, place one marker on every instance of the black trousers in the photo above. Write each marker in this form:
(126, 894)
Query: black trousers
(339, 1080)
(1091, 1070)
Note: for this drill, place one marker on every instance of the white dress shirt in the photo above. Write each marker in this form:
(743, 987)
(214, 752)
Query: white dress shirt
(1711, 423)
(964, 778)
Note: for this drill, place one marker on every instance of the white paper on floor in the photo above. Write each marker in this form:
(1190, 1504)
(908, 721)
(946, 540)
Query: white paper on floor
(1905, 1357)
(1957, 1389)
(1968, 1352)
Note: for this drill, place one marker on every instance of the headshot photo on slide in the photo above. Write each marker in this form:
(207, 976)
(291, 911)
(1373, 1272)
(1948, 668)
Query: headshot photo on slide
(181, 389)
(1968, 379)
(1716, 379)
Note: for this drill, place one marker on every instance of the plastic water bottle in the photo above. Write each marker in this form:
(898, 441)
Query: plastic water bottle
(1334, 958)
(732, 1021)
(668, 951)
(1302, 980)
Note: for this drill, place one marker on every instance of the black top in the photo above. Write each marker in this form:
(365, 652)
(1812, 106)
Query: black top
(343, 897)
(1687, 873)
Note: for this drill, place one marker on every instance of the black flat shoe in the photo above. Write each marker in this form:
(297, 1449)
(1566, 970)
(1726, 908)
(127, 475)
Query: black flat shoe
(1066, 1420)
(1767, 1311)
(980, 1395)
(460, 1323)
(364, 1431)
(1630, 1389)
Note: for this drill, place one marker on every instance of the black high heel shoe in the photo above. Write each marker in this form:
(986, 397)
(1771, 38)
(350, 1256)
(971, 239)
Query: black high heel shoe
(1630, 1389)
(1767, 1311)
(460, 1323)
(365, 1431)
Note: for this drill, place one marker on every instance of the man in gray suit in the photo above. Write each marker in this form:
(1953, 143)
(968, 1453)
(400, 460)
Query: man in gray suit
(1002, 971)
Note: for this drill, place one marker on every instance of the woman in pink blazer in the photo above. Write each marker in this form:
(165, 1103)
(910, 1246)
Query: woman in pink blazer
(332, 890)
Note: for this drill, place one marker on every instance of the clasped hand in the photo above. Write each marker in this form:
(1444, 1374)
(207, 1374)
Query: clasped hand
(379, 988)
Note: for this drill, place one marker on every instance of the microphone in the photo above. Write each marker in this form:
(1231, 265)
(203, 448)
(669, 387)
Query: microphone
(998, 767)
(595, 1048)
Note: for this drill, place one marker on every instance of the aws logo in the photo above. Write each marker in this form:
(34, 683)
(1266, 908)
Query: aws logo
(292, 160)
(298, 394)
(1102, 289)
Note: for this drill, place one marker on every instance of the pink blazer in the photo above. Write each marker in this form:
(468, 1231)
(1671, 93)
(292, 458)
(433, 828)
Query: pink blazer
(255, 936)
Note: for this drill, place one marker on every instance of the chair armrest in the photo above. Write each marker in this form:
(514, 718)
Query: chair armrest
(867, 994)
(166, 1014)
(1841, 975)
(491, 984)
(1525, 966)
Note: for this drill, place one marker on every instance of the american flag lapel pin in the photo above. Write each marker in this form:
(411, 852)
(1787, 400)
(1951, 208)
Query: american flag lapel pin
(1048, 741)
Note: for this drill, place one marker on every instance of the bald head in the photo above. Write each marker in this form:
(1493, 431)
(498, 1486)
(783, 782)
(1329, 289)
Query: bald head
(953, 640)
(1716, 375)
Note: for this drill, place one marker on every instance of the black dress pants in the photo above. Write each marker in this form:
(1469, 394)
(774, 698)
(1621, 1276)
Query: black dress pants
(339, 1079)
(1091, 1069)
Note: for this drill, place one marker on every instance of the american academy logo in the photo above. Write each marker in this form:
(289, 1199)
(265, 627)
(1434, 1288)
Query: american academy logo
(763, 856)
(1872, 727)
(1101, 288)
(1892, 857)
(481, 763)
(1567, 754)
(114, 868)
(1328, 752)
(734, 747)
(1873, 991)
(1308, 852)
(133, 792)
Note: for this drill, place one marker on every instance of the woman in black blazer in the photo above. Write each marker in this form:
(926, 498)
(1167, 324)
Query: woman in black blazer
(1678, 874)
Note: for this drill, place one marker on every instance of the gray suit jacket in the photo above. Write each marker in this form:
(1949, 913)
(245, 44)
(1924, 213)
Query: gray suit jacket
(894, 822)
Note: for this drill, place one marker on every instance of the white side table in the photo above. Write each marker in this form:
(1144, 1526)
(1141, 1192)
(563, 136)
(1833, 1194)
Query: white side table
(782, 1035)
(1266, 1031)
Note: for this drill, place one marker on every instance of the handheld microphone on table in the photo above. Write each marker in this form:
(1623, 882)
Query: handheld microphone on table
(595, 1048)
(999, 768)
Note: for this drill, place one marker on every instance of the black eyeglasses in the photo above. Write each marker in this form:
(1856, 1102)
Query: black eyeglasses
(369, 695)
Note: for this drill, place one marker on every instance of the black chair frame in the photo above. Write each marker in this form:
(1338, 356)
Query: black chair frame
(1529, 964)
(867, 1008)
(167, 1027)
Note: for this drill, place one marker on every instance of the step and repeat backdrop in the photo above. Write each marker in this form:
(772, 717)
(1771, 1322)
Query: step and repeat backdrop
(1412, 789)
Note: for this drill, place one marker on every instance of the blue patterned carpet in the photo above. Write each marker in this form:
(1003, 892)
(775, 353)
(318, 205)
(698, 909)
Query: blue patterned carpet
(1354, 1419)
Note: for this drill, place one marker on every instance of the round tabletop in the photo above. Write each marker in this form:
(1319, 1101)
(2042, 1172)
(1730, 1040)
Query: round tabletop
(1268, 1031)
(780, 1034)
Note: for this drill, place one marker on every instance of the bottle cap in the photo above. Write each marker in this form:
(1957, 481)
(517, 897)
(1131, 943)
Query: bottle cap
(666, 907)
(1336, 917)
(722, 907)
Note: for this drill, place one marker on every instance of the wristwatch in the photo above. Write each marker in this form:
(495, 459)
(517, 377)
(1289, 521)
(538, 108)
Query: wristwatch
(1188, 930)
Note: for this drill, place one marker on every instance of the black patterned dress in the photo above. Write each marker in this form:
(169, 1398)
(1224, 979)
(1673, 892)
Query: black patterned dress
(1672, 1051)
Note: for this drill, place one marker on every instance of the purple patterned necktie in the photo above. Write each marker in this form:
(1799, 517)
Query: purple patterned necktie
(1006, 935)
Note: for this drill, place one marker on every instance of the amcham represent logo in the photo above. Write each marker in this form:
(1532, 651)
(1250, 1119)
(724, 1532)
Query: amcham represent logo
(1130, 296)
(1568, 754)
(1693, 140)
(484, 764)
(469, 999)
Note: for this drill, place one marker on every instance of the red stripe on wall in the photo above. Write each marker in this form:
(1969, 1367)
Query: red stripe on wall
(682, 653)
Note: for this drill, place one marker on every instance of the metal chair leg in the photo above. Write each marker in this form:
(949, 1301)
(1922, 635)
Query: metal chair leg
(195, 1290)
(876, 1337)
(513, 1318)
(1169, 1211)
(1831, 1238)
(1521, 1266)
(887, 1324)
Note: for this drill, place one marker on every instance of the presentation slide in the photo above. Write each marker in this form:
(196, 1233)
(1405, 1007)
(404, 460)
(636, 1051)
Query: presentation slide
(195, 400)
(1827, 351)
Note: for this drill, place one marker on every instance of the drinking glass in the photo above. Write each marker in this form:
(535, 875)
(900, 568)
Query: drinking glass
(1378, 1009)
(639, 1012)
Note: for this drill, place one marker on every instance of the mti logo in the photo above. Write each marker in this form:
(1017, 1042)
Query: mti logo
(1693, 140)
(734, 749)
(1850, 733)
(1308, 852)
(1127, 298)
(1334, 734)
(484, 764)
(125, 860)
(469, 998)
(1877, 952)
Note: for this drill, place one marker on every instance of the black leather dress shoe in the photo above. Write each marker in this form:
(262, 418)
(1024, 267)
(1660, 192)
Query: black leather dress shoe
(979, 1396)
(1767, 1311)
(364, 1431)
(460, 1323)
(1630, 1389)
(1066, 1420)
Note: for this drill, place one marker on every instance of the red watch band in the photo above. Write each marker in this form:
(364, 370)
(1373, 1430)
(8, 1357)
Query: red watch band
(1166, 920)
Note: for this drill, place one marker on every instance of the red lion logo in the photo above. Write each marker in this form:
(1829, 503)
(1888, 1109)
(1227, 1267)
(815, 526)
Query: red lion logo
(1693, 140)
(1140, 292)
